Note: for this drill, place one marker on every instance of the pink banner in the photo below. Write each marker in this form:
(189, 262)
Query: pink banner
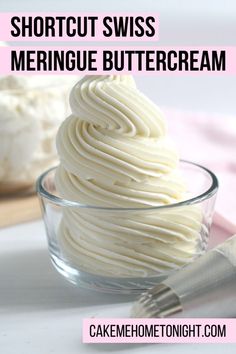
(149, 60)
(187, 330)
(84, 27)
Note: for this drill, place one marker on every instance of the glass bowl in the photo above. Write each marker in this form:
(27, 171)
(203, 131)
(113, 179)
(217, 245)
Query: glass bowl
(127, 250)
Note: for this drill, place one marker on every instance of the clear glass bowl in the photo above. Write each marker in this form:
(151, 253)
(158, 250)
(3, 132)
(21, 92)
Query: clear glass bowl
(184, 226)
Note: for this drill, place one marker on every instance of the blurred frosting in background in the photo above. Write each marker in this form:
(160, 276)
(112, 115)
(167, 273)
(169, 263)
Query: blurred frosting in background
(31, 110)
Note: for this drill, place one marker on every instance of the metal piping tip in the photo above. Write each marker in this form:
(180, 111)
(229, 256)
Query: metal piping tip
(158, 302)
(204, 288)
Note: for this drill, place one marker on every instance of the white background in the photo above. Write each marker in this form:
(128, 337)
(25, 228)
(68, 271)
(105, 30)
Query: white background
(39, 311)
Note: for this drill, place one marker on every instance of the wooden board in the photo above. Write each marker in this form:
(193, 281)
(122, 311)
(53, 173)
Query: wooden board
(15, 210)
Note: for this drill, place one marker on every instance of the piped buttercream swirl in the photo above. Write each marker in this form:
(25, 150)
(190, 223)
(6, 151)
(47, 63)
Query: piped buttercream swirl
(115, 153)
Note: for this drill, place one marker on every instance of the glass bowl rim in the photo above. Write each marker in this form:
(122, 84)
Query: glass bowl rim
(64, 202)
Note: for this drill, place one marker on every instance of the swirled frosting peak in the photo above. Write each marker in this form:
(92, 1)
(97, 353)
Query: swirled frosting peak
(114, 103)
(115, 153)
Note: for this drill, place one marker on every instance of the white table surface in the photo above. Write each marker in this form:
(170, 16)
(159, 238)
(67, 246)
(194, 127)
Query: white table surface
(41, 313)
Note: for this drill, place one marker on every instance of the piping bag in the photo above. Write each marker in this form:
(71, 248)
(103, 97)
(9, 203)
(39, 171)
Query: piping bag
(204, 288)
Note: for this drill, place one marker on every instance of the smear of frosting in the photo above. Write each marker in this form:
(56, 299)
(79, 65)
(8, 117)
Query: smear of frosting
(31, 110)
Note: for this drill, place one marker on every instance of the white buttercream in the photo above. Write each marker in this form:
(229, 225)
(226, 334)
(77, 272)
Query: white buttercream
(31, 109)
(114, 152)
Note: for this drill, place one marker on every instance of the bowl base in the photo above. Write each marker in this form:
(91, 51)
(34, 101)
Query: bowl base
(125, 286)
